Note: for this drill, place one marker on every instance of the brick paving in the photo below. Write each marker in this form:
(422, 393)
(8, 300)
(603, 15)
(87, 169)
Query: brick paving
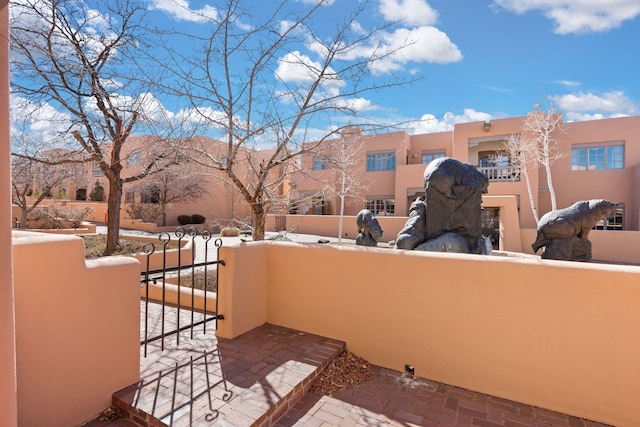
(262, 378)
(393, 398)
(251, 380)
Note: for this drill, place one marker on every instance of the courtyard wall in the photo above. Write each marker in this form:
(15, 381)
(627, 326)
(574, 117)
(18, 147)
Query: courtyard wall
(554, 334)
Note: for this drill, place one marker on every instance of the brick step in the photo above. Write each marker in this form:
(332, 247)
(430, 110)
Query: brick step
(251, 380)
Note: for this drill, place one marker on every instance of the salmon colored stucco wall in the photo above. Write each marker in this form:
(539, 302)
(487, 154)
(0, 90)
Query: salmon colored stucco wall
(77, 329)
(553, 334)
(327, 225)
(8, 395)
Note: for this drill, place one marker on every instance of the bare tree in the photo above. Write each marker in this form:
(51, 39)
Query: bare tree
(82, 61)
(238, 84)
(541, 127)
(175, 184)
(520, 157)
(538, 145)
(32, 182)
(344, 156)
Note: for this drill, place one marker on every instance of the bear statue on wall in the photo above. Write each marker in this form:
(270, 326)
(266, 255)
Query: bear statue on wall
(369, 230)
(564, 232)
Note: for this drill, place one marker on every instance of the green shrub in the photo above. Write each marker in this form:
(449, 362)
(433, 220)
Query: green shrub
(97, 194)
(185, 219)
(197, 219)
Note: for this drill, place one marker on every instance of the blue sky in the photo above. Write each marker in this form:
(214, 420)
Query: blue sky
(476, 59)
(483, 59)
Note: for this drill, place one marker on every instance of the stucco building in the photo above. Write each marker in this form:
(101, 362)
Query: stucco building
(596, 159)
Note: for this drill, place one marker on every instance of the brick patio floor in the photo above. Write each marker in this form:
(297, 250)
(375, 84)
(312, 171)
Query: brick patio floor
(261, 379)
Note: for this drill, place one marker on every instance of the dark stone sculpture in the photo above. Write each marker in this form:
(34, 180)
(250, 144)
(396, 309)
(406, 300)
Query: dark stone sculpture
(414, 231)
(447, 242)
(369, 230)
(449, 219)
(564, 232)
(454, 198)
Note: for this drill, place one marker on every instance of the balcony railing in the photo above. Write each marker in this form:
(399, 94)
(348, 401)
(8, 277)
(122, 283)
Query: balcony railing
(501, 173)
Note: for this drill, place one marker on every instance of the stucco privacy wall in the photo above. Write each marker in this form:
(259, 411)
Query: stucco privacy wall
(554, 334)
(327, 225)
(77, 329)
(8, 402)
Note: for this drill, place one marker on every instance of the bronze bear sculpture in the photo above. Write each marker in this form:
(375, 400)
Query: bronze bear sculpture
(369, 230)
(574, 221)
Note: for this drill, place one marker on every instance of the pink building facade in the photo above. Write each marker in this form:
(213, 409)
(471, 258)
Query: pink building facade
(598, 159)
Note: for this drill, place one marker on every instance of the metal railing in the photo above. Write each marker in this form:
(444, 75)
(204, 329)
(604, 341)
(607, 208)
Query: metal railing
(501, 173)
(188, 267)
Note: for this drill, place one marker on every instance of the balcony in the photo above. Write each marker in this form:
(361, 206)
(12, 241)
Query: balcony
(501, 173)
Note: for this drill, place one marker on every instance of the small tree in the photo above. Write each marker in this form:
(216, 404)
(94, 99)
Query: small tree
(342, 155)
(97, 194)
(249, 84)
(173, 185)
(520, 158)
(538, 145)
(84, 61)
(31, 178)
(540, 130)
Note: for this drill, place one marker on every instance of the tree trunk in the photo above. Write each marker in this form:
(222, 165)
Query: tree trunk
(525, 171)
(552, 191)
(23, 218)
(341, 221)
(113, 215)
(260, 218)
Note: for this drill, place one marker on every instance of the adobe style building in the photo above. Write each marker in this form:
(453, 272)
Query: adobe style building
(598, 159)
(384, 173)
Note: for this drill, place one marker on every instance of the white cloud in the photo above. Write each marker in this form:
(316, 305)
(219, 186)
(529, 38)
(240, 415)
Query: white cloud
(568, 83)
(181, 10)
(37, 124)
(401, 47)
(295, 67)
(409, 12)
(589, 106)
(578, 16)
(429, 123)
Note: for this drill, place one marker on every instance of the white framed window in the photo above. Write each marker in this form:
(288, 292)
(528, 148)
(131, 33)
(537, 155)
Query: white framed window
(130, 197)
(381, 206)
(224, 161)
(601, 156)
(429, 156)
(381, 161)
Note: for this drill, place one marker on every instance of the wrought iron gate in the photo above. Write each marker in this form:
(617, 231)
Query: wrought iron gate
(184, 271)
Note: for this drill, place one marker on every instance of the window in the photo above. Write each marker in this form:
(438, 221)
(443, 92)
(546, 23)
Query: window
(96, 169)
(430, 156)
(384, 161)
(130, 197)
(134, 159)
(224, 161)
(320, 164)
(615, 221)
(590, 157)
(382, 206)
(152, 195)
